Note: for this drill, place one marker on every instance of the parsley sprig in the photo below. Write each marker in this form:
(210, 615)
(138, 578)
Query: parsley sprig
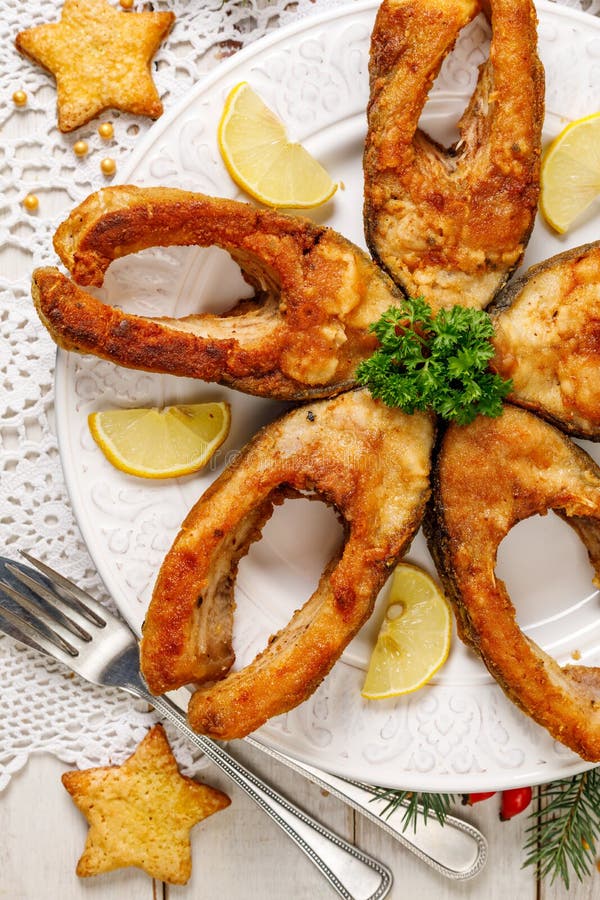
(439, 363)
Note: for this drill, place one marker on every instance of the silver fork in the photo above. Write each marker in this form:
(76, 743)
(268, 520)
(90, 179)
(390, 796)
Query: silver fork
(51, 614)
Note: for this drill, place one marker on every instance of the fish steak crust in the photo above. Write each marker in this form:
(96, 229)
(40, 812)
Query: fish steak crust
(547, 340)
(301, 336)
(488, 476)
(372, 465)
(451, 225)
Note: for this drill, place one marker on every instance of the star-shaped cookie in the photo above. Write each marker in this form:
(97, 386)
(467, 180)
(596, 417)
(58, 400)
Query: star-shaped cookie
(140, 813)
(100, 58)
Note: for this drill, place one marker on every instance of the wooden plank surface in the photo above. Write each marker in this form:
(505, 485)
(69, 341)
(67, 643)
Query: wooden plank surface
(501, 879)
(240, 854)
(43, 835)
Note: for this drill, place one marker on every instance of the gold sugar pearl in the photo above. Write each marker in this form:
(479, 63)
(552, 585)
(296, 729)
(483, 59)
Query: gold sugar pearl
(106, 130)
(126, 4)
(31, 202)
(19, 98)
(80, 148)
(108, 166)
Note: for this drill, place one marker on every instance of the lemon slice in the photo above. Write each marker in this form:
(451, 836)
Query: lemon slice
(260, 158)
(161, 443)
(570, 176)
(414, 639)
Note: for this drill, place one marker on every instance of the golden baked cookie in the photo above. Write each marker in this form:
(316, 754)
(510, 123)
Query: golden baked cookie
(100, 58)
(140, 813)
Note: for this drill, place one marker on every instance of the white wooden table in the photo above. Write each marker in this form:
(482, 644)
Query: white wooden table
(239, 854)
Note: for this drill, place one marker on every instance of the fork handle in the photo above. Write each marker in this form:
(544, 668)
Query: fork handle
(354, 875)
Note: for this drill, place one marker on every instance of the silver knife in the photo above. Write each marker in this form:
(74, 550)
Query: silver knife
(456, 849)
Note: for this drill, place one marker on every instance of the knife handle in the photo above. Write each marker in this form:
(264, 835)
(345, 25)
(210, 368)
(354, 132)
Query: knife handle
(456, 849)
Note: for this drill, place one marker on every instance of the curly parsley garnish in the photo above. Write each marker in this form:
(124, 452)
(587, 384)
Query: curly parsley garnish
(438, 363)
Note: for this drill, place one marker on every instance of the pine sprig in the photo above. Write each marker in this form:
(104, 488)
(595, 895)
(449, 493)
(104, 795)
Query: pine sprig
(564, 832)
(415, 804)
(434, 362)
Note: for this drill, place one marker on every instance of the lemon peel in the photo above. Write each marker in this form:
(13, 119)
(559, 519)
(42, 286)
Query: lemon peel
(414, 638)
(161, 443)
(570, 174)
(261, 160)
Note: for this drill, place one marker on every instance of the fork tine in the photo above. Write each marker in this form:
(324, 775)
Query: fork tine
(48, 639)
(51, 599)
(81, 600)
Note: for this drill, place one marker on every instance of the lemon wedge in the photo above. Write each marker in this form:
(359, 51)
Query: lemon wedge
(161, 443)
(570, 176)
(260, 158)
(414, 639)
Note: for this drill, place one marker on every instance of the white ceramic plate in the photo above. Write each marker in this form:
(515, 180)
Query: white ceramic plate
(460, 733)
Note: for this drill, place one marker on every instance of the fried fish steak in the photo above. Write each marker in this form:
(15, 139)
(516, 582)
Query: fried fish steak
(372, 464)
(301, 336)
(489, 476)
(452, 224)
(547, 339)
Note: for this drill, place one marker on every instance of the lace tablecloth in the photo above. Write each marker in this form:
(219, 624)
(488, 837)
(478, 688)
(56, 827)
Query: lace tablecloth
(44, 708)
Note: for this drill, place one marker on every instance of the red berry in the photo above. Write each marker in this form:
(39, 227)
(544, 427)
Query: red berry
(514, 802)
(470, 799)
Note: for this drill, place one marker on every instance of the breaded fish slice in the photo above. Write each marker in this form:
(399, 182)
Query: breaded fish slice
(489, 476)
(452, 224)
(372, 464)
(547, 339)
(301, 337)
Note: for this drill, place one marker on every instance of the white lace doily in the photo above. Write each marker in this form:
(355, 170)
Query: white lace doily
(44, 709)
